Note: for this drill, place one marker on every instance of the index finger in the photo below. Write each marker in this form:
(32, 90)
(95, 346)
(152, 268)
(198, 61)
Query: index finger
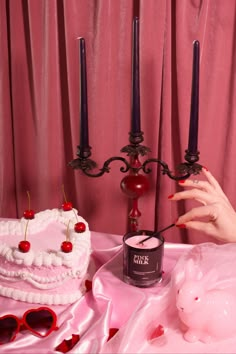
(211, 179)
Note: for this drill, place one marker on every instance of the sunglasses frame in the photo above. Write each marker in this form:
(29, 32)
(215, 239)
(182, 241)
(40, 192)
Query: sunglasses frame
(23, 322)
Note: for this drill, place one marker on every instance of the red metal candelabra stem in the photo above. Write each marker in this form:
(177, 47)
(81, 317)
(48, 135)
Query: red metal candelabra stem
(134, 185)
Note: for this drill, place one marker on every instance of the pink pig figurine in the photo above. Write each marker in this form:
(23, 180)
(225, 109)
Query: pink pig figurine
(208, 313)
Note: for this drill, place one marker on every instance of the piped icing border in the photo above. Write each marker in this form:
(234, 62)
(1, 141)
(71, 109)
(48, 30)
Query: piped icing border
(42, 298)
(41, 282)
(81, 242)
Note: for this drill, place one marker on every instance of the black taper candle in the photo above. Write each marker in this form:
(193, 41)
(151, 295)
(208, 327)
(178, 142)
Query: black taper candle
(193, 126)
(135, 119)
(84, 148)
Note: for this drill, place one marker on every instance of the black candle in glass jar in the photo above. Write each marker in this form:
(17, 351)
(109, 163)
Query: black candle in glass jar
(142, 262)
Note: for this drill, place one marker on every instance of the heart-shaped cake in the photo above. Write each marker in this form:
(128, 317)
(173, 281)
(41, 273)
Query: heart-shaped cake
(53, 268)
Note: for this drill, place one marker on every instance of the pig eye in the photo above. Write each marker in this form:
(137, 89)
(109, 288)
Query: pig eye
(178, 291)
(196, 298)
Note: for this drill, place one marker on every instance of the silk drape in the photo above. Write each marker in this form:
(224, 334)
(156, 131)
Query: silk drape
(39, 110)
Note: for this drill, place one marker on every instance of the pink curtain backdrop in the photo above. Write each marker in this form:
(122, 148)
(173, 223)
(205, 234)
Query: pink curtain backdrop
(39, 110)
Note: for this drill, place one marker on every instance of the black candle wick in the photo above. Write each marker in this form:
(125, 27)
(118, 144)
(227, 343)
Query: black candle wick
(157, 233)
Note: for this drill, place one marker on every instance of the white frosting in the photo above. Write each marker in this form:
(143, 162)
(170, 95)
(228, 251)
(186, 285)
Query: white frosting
(38, 224)
(41, 282)
(45, 274)
(41, 298)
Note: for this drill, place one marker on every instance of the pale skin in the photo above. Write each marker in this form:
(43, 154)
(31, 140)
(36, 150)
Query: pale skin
(215, 216)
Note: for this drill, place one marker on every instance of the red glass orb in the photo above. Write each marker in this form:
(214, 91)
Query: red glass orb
(134, 186)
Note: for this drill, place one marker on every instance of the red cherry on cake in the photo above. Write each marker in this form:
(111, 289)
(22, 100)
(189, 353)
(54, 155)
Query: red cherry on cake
(24, 246)
(66, 206)
(80, 227)
(66, 246)
(29, 213)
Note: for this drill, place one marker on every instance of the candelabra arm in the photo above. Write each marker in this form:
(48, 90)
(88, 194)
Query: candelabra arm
(87, 165)
(185, 169)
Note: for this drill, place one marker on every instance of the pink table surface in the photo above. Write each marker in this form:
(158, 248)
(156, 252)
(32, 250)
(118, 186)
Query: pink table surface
(136, 313)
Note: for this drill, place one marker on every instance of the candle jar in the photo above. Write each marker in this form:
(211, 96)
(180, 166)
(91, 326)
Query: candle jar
(142, 262)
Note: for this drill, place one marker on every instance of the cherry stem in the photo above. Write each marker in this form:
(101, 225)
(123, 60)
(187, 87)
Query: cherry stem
(26, 229)
(28, 194)
(67, 232)
(76, 215)
(64, 194)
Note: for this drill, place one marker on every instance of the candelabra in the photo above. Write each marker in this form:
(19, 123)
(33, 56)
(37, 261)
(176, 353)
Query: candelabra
(135, 184)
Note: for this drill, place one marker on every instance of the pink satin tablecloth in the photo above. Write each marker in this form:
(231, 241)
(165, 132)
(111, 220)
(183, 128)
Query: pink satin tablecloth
(141, 320)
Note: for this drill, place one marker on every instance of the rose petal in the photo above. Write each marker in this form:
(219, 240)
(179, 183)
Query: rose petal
(75, 339)
(88, 285)
(68, 344)
(112, 332)
(158, 331)
(62, 347)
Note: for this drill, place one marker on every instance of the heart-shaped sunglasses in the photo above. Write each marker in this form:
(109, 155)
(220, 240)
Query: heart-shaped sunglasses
(41, 322)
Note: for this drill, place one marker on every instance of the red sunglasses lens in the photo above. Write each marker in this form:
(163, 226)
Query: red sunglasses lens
(8, 329)
(41, 322)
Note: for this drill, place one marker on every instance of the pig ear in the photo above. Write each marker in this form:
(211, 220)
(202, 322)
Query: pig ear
(191, 270)
(210, 278)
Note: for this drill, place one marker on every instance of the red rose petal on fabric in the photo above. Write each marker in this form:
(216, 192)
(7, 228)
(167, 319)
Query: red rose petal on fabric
(112, 332)
(88, 285)
(75, 339)
(68, 344)
(158, 331)
(62, 347)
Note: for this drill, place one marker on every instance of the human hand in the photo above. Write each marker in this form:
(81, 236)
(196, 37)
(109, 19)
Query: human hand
(216, 216)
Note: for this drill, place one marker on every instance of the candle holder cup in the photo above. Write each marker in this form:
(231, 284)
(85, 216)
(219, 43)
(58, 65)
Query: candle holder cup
(142, 262)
